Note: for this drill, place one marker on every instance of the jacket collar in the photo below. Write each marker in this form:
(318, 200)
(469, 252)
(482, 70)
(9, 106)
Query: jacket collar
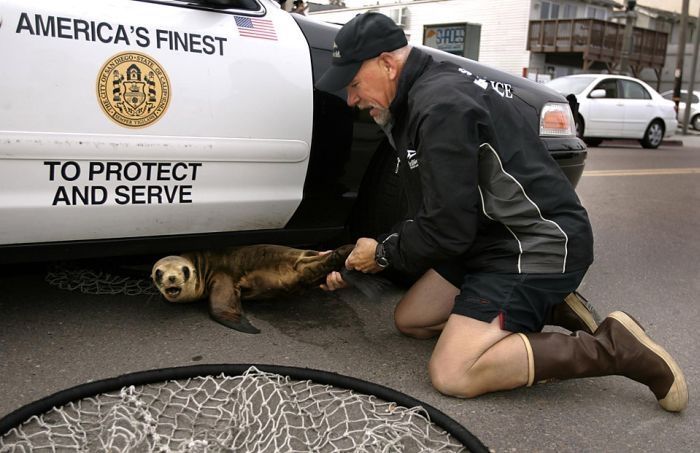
(414, 67)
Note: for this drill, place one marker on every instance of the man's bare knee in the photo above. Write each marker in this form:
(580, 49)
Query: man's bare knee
(420, 333)
(451, 381)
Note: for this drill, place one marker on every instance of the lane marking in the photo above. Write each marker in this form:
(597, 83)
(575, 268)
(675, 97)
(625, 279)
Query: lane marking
(643, 172)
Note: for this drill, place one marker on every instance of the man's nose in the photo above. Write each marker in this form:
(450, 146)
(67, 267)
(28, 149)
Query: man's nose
(352, 99)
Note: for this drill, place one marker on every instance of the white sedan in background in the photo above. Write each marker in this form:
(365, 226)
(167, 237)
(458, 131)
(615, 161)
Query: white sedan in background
(614, 106)
(694, 107)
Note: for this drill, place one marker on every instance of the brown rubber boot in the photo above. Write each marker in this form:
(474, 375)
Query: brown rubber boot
(574, 314)
(619, 347)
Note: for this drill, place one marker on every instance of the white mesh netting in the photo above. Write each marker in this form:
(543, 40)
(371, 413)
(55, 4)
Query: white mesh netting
(254, 412)
(98, 282)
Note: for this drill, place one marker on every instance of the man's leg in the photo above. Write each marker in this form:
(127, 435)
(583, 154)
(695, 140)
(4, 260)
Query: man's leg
(424, 309)
(574, 313)
(620, 346)
(473, 357)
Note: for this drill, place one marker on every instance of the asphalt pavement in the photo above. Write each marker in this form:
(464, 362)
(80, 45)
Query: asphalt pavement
(643, 206)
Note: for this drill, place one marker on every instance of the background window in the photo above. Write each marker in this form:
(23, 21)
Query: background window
(633, 90)
(549, 10)
(569, 12)
(610, 87)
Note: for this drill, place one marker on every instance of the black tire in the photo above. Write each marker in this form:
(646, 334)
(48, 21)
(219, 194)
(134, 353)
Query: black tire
(580, 129)
(381, 201)
(695, 122)
(580, 126)
(381, 204)
(654, 135)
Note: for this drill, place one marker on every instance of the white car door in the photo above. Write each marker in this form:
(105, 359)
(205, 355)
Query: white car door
(126, 118)
(604, 116)
(639, 108)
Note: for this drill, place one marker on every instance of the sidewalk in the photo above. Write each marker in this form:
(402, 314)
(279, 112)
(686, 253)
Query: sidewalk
(692, 139)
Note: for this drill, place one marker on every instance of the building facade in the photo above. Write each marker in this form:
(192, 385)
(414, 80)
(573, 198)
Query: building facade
(504, 34)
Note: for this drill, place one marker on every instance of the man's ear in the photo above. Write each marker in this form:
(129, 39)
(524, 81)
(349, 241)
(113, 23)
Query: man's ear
(389, 64)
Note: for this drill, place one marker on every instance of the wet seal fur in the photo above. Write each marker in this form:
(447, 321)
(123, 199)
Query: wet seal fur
(228, 276)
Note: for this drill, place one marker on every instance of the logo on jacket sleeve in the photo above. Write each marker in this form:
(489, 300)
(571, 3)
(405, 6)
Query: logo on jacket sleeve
(133, 89)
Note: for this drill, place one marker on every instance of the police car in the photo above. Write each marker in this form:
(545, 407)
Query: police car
(144, 126)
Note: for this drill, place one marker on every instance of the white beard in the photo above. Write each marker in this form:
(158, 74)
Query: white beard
(383, 118)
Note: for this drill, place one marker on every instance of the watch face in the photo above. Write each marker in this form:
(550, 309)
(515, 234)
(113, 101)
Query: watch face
(382, 262)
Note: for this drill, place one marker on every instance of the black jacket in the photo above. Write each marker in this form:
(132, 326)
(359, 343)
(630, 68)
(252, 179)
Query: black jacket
(481, 185)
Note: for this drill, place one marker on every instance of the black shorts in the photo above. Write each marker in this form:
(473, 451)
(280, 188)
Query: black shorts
(520, 301)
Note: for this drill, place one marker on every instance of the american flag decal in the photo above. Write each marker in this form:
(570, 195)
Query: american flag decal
(253, 27)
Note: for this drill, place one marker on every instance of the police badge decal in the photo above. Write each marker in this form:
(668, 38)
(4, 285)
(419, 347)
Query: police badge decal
(133, 89)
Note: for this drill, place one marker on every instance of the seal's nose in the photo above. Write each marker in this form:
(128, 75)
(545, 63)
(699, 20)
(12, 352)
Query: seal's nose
(172, 279)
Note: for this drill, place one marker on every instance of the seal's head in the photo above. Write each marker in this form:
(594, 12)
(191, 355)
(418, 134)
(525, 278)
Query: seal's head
(176, 278)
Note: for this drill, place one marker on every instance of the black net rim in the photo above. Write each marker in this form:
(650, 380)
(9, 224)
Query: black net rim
(63, 397)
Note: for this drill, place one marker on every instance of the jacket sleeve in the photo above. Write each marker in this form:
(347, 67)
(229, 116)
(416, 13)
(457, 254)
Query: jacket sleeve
(447, 134)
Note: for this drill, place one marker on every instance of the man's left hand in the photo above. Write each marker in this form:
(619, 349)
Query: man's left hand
(362, 257)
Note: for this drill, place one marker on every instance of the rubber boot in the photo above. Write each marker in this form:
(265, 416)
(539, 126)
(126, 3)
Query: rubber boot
(574, 314)
(619, 347)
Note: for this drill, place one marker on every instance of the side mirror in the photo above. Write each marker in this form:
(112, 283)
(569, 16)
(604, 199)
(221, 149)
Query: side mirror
(597, 94)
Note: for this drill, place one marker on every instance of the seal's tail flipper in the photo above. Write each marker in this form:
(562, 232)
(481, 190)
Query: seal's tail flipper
(371, 285)
(313, 269)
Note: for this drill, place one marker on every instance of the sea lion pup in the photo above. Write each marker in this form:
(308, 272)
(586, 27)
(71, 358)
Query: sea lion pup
(230, 275)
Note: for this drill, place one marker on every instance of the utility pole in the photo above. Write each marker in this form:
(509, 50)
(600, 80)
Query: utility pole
(693, 69)
(680, 54)
(630, 19)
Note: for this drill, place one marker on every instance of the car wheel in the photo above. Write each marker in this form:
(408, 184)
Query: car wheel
(579, 126)
(695, 122)
(653, 135)
(381, 201)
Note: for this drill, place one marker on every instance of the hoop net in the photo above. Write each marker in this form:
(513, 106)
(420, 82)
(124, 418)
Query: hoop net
(255, 411)
(89, 281)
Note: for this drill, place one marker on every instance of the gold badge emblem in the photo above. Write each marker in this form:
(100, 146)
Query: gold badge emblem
(133, 89)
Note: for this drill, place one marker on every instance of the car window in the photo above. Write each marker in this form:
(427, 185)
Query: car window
(568, 85)
(668, 96)
(695, 99)
(223, 5)
(610, 87)
(633, 90)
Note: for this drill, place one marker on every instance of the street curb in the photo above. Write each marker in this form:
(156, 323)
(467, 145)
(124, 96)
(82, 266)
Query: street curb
(672, 142)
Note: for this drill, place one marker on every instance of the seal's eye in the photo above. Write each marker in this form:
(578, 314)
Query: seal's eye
(159, 276)
(186, 272)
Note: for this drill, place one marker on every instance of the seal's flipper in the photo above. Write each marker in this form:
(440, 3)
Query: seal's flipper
(242, 325)
(225, 304)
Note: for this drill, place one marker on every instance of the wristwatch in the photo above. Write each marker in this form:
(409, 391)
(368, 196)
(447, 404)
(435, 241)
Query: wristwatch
(380, 256)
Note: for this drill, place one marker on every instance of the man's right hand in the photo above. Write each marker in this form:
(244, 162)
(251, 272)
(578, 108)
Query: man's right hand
(334, 281)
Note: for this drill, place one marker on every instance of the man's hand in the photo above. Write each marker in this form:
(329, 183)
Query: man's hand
(334, 281)
(362, 257)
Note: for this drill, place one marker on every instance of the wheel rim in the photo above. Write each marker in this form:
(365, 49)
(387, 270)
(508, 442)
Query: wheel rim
(696, 122)
(655, 134)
